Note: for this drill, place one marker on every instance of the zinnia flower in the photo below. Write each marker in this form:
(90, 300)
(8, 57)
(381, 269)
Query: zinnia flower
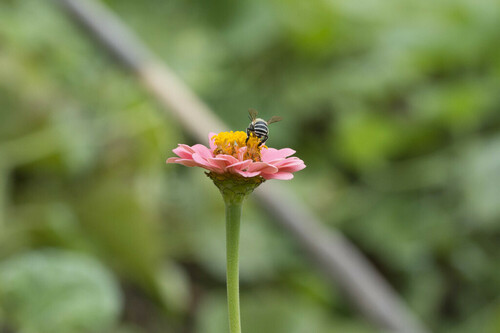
(237, 164)
(231, 154)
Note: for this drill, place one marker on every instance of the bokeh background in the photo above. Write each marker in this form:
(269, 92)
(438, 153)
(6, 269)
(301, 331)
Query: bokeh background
(393, 105)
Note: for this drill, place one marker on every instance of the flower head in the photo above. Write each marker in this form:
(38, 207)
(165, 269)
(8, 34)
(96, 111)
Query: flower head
(232, 155)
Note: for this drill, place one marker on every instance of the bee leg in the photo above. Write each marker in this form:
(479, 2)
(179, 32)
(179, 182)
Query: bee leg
(248, 135)
(263, 140)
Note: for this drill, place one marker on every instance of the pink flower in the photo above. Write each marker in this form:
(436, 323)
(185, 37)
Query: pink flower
(231, 153)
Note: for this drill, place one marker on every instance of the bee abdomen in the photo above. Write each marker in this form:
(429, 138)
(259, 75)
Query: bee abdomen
(260, 128)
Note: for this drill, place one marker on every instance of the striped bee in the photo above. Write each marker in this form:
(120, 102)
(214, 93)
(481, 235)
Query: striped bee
(259, 127)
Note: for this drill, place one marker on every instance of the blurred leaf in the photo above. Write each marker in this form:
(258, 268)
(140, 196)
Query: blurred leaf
(275, 310)
(129, 236)
(479, 182)
(366, 139)
(56, 291)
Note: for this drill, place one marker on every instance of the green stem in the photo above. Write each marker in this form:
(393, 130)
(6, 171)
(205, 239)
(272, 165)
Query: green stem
(233, 216)
(234, 190)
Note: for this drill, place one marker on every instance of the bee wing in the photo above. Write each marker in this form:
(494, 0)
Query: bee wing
(274, 119)
(253, 114)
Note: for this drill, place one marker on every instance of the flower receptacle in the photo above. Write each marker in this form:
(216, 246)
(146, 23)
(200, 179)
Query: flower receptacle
(234, 188)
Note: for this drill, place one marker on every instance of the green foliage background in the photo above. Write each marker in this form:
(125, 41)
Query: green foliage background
(393, 105)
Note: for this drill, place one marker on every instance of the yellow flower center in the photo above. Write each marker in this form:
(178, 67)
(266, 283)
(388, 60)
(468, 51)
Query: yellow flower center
(230, 143)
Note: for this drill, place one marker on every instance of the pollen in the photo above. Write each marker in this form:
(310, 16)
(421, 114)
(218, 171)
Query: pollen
(231, 143)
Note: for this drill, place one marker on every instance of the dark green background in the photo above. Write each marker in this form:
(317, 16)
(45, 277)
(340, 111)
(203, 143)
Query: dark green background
(393, 105)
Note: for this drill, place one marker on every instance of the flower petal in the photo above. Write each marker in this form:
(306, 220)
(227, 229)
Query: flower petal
(290, 161)
(270, 154)
(247, 174)
(283, 161)
(183, 151)
(172, 159)
(230, 159)
(186, 162)
(211, 141)
(239, 166)
(241, 153)
(198, 158)
(202, 150)
(262, 167)
(278, 175)
(293, 167)
(221, 163)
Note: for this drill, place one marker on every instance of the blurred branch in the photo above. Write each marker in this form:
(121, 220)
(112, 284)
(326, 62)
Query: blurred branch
(339, 259)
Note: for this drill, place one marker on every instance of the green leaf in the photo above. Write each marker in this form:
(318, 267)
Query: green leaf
(56, 291)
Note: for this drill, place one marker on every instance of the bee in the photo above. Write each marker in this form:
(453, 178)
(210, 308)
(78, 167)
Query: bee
(259, 127)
